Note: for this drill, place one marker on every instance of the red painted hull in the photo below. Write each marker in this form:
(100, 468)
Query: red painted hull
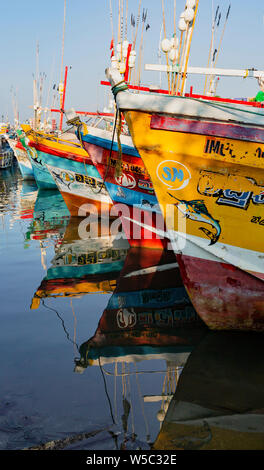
(132, 166)
(225, 297)
(135, 178)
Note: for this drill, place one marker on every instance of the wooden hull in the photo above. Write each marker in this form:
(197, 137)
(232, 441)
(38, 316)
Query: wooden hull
(211, 191)
(82, 188)
(40, 171)
(206, 164)
(66, 166)
(225, 297)
(132, 192)
(213, 201)
(23, 160)
(46, 149)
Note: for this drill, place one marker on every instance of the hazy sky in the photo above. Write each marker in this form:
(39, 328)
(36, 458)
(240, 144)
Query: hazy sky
(87, 46)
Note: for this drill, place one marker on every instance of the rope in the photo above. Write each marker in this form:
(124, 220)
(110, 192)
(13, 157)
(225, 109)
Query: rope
(106, 391)
(131, 404)
(75, 322)
(142, 404)
(118, 168)
(120, 86)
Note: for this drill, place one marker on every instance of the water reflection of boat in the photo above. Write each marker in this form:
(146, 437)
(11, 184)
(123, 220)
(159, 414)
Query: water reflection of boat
(225, 297)
(218, 403)
(148, 309)
(81, 265)
(6, 154)
(148, 318)
(27, 198)
(50, 216)
(17, 194)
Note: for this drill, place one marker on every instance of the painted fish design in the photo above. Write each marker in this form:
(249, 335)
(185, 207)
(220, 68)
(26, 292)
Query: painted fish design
(59, 178)
(196, 210)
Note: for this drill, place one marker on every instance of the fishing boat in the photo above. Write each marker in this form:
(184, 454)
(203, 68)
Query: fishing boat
(21, 155)
(65, 165)
(83, 265)
(6, 154)
(129, 186)
(218, 401)
(205, 161)
(3, 128)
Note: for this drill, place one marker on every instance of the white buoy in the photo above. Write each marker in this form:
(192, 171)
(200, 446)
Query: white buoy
(161, 415)
(125, 44)
(122, 67)
(132, 59)
(175, 42)
(188, 15)
(173, 55)
(125, 48)
(190, 3)
(166, 45)
(114, 62)
(261, 82)
(182, 24)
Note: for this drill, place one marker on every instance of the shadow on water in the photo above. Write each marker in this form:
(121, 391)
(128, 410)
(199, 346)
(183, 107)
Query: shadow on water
(218, 403)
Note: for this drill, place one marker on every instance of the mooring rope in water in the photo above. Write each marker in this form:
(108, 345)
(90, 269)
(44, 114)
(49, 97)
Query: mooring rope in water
(62, 443)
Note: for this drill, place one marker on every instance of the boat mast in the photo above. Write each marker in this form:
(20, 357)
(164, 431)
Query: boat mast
(62, 85)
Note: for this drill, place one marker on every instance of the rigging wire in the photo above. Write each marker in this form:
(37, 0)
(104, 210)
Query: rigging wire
(106, 391)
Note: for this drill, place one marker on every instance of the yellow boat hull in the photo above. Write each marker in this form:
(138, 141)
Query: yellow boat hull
(210, 189)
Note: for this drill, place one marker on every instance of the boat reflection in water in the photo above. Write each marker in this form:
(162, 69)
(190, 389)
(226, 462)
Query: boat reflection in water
(83, 264)
(16, 195)
(50, 216)
(28, 192)
(148, 318)
(219, 400)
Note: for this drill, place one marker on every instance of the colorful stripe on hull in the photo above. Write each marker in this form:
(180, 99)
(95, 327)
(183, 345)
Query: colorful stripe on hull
(207, 128)
(82, 188)
(132, 192)
(214, 187)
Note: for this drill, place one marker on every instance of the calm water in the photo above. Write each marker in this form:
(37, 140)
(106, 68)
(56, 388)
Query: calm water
(92, 353)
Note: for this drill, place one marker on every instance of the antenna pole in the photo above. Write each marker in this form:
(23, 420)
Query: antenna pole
(63, 97)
